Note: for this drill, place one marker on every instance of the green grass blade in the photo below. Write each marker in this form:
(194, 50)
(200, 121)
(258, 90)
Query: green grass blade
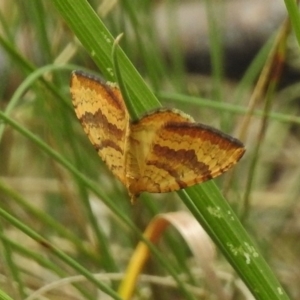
(4, 296)
(98, 41)
(293, 11)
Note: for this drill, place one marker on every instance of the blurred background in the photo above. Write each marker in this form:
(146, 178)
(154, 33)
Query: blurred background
(213, 53)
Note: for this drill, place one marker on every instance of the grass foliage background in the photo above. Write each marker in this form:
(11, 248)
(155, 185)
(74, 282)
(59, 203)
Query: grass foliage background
(64, 214)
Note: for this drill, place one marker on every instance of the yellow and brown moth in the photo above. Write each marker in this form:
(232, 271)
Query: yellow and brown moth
(163, 151)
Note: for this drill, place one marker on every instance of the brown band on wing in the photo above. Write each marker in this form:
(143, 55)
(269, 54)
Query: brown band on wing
(207, 133)
(187, 158)
(108, 144)
(97, 119)
(172, 172)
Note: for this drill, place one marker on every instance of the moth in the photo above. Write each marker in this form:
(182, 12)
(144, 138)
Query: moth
(164, 151)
